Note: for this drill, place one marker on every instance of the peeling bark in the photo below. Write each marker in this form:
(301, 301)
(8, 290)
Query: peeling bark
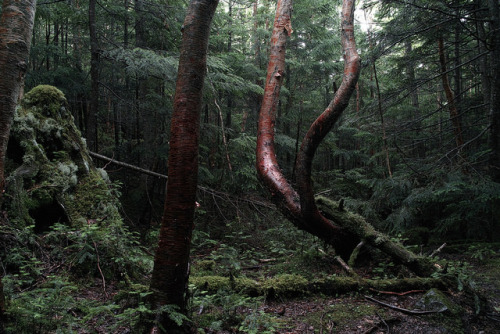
(170, 273)
(267, 165)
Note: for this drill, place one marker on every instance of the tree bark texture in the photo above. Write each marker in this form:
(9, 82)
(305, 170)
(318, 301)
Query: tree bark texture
(301, 210)
(339, 228)
(267, 165)
(324, 123)
(16, 29)
(170, 273)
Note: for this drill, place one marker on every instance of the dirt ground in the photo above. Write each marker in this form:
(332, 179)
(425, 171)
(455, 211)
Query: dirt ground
(479, 310)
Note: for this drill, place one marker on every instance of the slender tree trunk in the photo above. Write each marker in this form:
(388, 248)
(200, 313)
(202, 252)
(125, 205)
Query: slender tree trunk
(91, 119)
(382, 122)
(450, 98)
(170, 273)
(16, 29)
(412, 87)
(495, 92)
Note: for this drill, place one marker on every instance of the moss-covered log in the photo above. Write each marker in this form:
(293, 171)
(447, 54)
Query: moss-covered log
(359, 227)
(289, 285)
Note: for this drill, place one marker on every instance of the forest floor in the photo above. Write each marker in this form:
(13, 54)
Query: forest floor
(477, 295)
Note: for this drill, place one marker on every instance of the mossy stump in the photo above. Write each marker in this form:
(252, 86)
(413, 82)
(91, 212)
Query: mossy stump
(51, 177)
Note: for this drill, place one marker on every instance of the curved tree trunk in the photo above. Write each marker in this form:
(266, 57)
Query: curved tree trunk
(340, 229)
(170, 273)
(283, 194)
(16, 29)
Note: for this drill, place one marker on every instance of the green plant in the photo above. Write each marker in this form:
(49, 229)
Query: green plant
(482, 252)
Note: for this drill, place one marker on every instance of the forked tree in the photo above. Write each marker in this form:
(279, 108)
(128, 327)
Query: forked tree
(331, 224)
(16, 29)
(171, 270)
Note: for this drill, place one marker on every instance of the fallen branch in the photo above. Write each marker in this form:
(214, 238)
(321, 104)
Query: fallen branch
(396, 293)
(438, 250)
(345, 266)
(403, 310)
(126, 165)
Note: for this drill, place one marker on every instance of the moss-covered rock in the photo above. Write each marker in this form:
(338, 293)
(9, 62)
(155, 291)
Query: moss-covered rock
(51, 177)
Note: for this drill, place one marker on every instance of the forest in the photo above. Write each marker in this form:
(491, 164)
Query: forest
(249, 166)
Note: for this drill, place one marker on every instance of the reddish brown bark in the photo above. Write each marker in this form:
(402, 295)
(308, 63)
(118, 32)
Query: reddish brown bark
(302, 212)
(452, 108)
(170, 273)
(324, 123)
(267, 165)
(16, 29)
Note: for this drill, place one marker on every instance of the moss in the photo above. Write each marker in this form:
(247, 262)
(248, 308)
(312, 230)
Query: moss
(286, 285)
(343, 314)
(92, 199)
(210, 284)
(46, 100)
(55, 172)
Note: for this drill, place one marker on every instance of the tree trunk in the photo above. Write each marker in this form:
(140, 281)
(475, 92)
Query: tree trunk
(170, 273)
(495, 92)
(339, 230)
(450, 98)
(413, 89)
(286, 198)
(91, 119)
(16, 29)
(382, 122)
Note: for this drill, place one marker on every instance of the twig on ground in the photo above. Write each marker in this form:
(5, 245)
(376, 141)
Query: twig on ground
(345, 266)
(438, 250)
(100, 271)
(385, 323)
(396, 293)
(400, 309)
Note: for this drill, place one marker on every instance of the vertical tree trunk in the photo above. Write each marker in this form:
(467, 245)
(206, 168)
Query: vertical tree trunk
(450, 98)
(413, 89)
(382, 122)
(170, 273)
(91, 119)
(16, 29)
(495, 92)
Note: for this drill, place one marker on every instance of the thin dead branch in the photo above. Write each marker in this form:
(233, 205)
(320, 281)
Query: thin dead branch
(403, 310)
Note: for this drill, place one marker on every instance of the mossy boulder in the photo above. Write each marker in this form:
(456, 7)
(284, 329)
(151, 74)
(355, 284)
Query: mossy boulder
(51, 177)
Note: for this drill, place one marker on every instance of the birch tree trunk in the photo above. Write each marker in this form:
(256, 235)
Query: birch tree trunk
(16, 29)
(170, 273)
